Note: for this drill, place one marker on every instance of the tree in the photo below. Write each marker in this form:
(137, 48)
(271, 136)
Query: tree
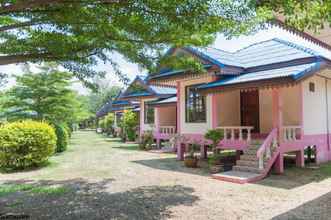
(140, 30)
(301, 14)
(43, 96)
(77, 34)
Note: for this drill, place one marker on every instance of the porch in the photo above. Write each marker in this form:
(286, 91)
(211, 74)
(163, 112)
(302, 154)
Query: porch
(165, 119)
(263, 124)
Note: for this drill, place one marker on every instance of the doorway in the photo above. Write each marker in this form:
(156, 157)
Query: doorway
(250, 110)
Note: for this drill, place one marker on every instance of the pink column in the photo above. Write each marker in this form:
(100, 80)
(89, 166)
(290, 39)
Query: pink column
(178, 108)
(180, 149)
(301, 109)
(300, 158)
(277, 111)
(279, 164)
(277, 119)
(157, 126)
(141, 117)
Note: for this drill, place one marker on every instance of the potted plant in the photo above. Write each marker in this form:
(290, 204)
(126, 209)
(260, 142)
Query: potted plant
(190, 160)
(214, 162)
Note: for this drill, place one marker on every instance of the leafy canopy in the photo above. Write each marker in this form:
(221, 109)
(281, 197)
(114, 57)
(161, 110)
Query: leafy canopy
(43, 96)
(77, 34)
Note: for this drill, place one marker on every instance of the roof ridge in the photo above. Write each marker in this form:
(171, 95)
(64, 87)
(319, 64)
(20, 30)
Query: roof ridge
(253, 44)
(296, 46)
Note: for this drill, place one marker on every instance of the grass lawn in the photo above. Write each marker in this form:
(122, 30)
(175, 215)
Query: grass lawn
(101, 178)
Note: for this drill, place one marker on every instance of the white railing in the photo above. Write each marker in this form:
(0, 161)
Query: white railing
(269, 144)
(167, 129)
(291, 133)
(237, 132)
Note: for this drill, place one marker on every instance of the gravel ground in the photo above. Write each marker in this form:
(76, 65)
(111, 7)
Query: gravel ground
(110, 180)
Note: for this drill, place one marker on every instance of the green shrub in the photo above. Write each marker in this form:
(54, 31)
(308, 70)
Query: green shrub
(26, 144)
(68, 128)
(62, 138)
(129, 124)
(215, 136)
(146, 140)
(108, 123)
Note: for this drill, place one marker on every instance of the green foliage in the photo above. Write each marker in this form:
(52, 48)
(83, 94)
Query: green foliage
(106, 123)
(302, 14)
(14, 188)
(146, 140)
(129, 124)
(62, 138)
(215, 136)
(182, 61)
(43, 96)
(26, 144)
(106, 92)
(215, 159)
(68, 128)
(109, 122)
(137, 29)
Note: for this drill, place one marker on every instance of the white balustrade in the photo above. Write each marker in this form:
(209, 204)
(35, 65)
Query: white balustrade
(167, 129)
(236, 132)
(266, 149)
(290, 133)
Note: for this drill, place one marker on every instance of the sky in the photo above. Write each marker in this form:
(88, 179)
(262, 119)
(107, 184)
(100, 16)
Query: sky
(221, 42)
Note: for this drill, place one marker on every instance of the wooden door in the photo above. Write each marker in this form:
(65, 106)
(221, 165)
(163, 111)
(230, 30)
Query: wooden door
(250, 111)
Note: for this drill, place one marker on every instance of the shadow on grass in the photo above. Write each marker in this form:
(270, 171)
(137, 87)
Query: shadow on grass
(319, 208)
(86, 200)
(294, 177)
(172, 164)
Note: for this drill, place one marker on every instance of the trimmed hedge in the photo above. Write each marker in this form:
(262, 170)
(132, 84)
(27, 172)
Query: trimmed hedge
(26, 144)
(62, 138)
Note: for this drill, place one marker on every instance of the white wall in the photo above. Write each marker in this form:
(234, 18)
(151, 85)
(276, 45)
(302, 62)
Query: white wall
(195, 128)
(314, 106)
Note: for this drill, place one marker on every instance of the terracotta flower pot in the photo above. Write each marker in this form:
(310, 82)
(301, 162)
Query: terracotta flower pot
(191, 162)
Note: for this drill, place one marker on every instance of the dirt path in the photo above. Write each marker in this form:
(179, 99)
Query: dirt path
(106, 179)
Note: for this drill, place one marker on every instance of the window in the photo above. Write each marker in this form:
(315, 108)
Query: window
(312, 87)
(148, 114)
(195, 105)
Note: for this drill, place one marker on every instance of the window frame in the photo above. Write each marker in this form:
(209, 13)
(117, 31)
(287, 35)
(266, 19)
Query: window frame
(199, 116)
(146, 117)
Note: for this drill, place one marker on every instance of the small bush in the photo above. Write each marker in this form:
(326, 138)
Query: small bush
(129, 124)
(146, 140)
(26, 144)
(62, 138)
(68, 128)
(215, 136)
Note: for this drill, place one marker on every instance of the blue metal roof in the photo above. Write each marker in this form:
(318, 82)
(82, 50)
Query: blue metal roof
(171, 72)
(120, 102)
(294, 72)
(258, 54)
(166, 101)
(163, 90)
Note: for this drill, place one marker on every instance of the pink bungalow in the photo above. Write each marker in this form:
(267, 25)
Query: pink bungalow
(157, 107)
(270, 98)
